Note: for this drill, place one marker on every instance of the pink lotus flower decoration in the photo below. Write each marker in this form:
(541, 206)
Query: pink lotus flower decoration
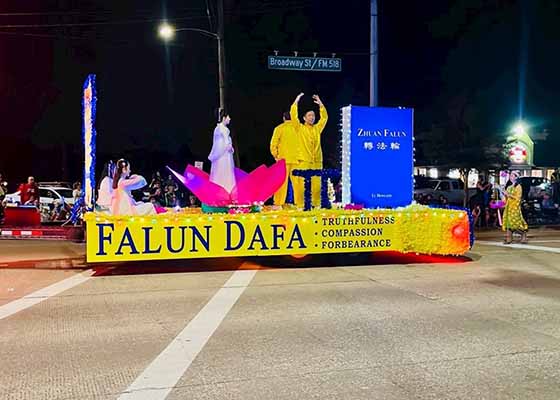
(251, 188)
(354, 207)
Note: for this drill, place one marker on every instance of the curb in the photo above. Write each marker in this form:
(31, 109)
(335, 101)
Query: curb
(39, 233)
(60, 263)
(20, 233)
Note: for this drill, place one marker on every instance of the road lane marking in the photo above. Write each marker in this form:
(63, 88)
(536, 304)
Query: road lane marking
(520, 246)
(160, 377)
(43, 294)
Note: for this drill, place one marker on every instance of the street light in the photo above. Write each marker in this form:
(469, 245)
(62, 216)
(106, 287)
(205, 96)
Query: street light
(520, 128)
(167, 31)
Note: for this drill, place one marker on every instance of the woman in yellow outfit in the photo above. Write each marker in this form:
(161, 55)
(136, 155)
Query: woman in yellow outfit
(513, 218)
(309, 148)
(284, 145)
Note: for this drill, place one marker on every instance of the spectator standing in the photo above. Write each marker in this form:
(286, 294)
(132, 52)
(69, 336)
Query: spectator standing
(156, 195)
(29, 192)
(429, 200)
(76, 191)
(3, 187)
(170, 195)
(170, 182)
(555, 181)
(3, 193)
(482, 199)
(156, 180)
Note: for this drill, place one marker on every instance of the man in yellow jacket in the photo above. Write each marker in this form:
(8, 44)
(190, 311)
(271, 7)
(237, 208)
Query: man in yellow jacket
(309, 148)
(284, 145)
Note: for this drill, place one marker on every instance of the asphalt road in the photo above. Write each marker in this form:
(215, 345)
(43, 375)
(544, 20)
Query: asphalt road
(391, 327)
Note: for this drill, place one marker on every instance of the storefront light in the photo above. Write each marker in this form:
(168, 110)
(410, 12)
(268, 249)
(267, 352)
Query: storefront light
(454, 173)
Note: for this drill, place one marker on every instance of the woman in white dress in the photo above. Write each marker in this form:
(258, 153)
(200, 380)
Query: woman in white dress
(222, 171)
(124, 183)
(105, 195)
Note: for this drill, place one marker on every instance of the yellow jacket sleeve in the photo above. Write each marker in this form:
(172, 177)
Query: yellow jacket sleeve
(294, 113)
(517, 193)
(323, 118)
(274, 143)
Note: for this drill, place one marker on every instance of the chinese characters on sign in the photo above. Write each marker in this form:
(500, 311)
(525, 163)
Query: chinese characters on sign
(381, 146)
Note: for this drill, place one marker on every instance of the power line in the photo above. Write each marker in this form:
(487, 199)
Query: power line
(99, 41)
(106, 41)
(260, 50)
(267, 7)
(264, 8)
(97, 23)
(209, 13)
(253, 6)
(43, 35)
(86, 12)
(306, 53)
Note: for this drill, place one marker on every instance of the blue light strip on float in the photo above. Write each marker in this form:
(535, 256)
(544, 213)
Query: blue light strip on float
(346, 133)
(89, 103)
(413, 158)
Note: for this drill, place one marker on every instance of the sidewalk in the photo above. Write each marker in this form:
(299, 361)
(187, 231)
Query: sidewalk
(535, 234)
(41, 254)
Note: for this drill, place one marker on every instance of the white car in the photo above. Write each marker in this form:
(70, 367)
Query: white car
(452, 189)
(47, 196)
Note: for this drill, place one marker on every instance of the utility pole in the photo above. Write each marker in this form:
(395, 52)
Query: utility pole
(222, 70)
(221, 55)
(373, 100)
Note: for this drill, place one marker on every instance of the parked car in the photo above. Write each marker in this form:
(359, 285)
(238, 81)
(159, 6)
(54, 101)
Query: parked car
(48, 195)
(452, 189)
(58, 184)
(55, 203)
(532, 187)
(422, 182)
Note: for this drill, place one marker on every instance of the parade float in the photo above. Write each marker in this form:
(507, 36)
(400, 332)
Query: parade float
(376, 212)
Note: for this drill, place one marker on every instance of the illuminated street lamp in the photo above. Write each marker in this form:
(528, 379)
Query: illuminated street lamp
(166, 31)
(520, 128)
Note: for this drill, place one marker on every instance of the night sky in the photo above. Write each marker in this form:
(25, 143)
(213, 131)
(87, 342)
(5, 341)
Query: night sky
(156, 102)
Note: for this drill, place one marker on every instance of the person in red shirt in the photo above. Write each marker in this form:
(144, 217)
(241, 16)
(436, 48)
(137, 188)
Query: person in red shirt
(29, 192)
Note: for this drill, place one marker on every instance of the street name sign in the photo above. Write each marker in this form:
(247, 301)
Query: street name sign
(321, 64)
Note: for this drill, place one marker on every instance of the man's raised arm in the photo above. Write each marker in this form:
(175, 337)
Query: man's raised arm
(294, 111)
